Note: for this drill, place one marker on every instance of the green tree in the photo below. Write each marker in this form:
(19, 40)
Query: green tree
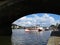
(54, 27)
(58, 27)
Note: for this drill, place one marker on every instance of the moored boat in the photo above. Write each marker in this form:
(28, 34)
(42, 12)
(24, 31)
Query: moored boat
(38, 29)
(27, 30)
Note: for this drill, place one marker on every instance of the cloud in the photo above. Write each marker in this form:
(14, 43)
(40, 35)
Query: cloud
(44, 20)
(58, 21)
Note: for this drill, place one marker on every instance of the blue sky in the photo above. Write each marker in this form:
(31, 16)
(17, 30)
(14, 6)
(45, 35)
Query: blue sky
(42, 19)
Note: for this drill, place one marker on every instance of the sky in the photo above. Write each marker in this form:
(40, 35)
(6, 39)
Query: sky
(42, 19)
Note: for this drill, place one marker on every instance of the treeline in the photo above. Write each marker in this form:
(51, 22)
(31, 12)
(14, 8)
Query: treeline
(55, 27)
(14, 26)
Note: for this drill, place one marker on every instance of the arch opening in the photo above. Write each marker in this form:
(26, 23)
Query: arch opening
(12, 10)
(37, 25)
(41, 19)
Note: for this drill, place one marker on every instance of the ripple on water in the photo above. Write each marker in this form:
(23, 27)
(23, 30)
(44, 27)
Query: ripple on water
(20, 37)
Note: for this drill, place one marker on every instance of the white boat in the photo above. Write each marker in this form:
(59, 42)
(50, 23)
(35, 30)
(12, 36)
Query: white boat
(27, 30)
(38, 29)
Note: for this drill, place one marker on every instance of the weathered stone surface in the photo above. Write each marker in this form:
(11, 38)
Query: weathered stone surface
(54, 40)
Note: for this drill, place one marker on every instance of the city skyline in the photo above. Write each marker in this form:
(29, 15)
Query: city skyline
(42, 19)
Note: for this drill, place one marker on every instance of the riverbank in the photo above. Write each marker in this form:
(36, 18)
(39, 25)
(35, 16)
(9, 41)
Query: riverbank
(54, 39)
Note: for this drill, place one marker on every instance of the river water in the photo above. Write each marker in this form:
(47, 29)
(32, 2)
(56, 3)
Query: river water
(21, 37)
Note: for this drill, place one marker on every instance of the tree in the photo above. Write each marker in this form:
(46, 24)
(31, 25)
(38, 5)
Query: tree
(53, 27)
(58, 27)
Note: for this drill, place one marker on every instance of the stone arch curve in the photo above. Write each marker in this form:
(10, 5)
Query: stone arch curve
(12, 10)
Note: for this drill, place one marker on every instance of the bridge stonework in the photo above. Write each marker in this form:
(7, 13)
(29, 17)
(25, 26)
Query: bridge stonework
(12, 10)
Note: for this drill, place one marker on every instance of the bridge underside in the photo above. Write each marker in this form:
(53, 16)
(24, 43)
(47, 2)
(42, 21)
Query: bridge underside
(12, 10)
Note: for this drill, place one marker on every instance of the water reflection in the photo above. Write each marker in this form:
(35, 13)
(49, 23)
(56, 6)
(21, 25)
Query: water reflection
(20, 37)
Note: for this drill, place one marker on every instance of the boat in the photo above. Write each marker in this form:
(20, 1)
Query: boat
(40, 29)
(27, 30)
(37, 28)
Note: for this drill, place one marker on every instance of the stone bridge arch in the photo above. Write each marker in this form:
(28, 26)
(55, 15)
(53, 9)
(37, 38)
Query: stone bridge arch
(12, 10)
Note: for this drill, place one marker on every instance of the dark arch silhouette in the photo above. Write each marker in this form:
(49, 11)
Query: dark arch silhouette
(12, 10)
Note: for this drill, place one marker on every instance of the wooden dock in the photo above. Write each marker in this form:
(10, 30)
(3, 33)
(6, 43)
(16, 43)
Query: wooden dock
(54, 39)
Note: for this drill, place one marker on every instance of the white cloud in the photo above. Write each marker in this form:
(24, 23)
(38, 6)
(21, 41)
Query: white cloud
(44, 20)
(22, 18)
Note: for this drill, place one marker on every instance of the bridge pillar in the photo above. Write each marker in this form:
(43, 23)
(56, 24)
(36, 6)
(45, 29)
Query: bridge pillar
(5, 26)
(5, 30)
